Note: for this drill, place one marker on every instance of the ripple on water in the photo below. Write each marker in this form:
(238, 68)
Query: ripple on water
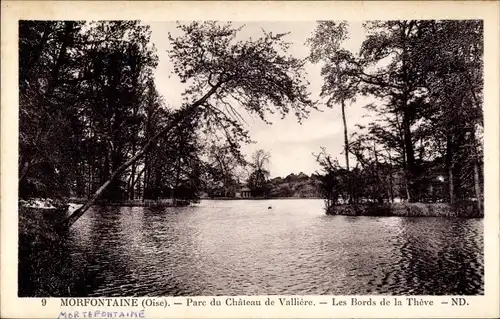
(240, 248)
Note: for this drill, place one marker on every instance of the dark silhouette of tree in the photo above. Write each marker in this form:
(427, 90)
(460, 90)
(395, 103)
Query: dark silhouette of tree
(223, 170)
(453, 70)
(46, 127)
(81, 87)
(426, 80)
(258, 179)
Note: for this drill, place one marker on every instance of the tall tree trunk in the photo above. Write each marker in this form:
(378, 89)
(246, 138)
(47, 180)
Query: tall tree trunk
(177, 178)
(378, 193)
(177, 171)
(132, 175)
(406, 27)
(147, 173)
(346, 141)
(405, 174)
(346, 151)
(89, 185)
(449, 165)
(477, 184)
(391, 182)
(107, 163)
(135, 105)
(149, 122)
(477, 105)
(410, 156)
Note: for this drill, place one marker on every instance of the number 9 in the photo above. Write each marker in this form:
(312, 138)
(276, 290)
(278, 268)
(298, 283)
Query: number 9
(44, 302)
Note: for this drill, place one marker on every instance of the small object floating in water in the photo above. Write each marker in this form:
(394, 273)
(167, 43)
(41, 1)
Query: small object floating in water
(270, 207)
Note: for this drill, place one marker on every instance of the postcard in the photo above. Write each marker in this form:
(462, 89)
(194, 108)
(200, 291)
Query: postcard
(250, 159)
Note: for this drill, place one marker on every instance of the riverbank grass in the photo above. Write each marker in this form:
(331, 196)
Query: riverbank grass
(35, 226)
(461, 210)
(37, 239)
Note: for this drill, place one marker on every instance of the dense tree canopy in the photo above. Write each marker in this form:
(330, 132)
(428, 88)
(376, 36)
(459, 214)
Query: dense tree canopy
(81, 111)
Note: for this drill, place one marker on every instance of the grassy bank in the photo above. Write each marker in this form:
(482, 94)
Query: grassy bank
(462, 210)
(37, 225)
(45, 269)
(37, 238)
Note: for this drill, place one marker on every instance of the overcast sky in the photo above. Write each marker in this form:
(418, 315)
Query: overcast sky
(290, 144)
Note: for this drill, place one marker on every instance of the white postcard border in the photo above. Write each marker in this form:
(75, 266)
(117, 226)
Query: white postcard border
(12, 11)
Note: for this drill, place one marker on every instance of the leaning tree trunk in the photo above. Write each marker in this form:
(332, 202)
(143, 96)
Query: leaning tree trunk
(80, 211)
(65, 224)
(180, 118)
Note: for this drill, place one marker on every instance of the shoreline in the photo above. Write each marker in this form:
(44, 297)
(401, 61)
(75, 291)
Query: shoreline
(137, 203)
(257, 198)
(459, 210)
(464, 209)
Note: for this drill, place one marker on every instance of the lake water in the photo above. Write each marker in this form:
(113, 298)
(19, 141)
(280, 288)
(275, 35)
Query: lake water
(243, 248)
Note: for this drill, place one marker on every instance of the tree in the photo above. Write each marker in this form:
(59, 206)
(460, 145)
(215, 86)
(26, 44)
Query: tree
(221, 72)
(257, 181)
(387, 68)
(339, 85)
(453, 73)
(80, 102)
(45, 120)
(120, 71)
(223, 168)
(426, 79)
(333, 182)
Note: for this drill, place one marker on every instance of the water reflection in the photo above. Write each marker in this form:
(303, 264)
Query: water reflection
(242, 248)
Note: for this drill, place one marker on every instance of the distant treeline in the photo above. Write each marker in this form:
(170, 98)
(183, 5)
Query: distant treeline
(293, 185)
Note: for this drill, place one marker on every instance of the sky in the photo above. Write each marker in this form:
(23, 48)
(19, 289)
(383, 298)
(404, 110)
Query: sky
(290, 144)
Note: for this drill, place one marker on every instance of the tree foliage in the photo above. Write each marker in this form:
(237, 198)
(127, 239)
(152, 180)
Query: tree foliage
(425, 78)
(81, 111)
(258, 179)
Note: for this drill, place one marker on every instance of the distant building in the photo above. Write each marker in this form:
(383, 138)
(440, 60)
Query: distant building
(244, 193)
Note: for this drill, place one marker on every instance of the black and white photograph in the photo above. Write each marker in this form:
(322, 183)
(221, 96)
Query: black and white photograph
(245, 158)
